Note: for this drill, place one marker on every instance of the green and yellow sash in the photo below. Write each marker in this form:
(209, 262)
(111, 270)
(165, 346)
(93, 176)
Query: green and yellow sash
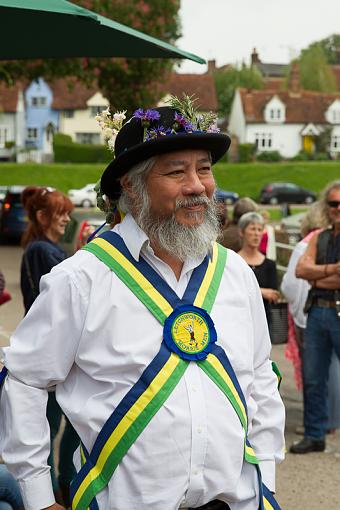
(189, 335)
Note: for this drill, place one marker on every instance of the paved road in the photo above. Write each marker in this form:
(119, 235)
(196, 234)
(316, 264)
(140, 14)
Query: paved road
(307, 482)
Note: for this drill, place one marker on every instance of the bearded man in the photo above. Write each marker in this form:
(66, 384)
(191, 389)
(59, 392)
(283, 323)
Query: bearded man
(165, 422)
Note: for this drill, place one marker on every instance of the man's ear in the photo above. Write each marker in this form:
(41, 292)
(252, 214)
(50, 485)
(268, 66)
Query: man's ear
(126, 184)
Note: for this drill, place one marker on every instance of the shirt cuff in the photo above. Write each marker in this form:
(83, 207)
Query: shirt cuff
(37, 492)
(267, 468)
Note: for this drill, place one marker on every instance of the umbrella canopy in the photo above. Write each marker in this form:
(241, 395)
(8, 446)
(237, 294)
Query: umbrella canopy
(57, 29)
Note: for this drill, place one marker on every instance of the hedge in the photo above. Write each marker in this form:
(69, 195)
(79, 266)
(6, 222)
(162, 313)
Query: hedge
(69, 152)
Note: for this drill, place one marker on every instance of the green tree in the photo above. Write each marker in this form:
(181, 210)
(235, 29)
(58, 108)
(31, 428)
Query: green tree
(127, 83)
(228, 81)
(329, 46)
(315, 72)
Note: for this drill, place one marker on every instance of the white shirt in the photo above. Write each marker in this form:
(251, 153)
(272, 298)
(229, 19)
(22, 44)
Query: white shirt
(296, 289)
(91, 337)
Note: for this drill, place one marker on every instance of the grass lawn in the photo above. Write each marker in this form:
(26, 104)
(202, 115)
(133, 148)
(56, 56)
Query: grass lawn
(246, 179)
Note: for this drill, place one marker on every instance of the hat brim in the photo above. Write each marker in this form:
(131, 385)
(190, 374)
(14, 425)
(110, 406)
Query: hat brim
(215, 143)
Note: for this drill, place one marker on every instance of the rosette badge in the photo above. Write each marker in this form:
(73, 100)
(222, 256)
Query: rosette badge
(189, 332)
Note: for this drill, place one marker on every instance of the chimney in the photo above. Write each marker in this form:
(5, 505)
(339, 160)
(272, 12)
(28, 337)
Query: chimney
(294, 85)
(255, 58)
(211, 66)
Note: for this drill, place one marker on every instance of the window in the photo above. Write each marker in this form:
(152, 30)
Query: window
(88, 138)
(335, 143)
(32, 133)
(336, 116)
(94, 110)
(39, 101)
(68, 114)
(275, 114)
(263, 141)
(3, 137)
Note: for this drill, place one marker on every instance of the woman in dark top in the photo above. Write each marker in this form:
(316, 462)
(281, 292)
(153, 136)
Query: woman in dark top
(251, 227)
(48, 214)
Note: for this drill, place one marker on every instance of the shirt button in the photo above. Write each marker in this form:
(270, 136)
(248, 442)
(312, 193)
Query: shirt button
(195, 472)
(199, 430)
(194, 389)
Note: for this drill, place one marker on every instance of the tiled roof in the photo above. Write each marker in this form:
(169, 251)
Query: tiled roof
(201, 85)
(272, 70)
(273, 83)
(9, 97)
(71, 94)
(300, 108)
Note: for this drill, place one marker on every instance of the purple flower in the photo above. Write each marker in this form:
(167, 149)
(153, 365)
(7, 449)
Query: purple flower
(153, 134)
(139, 114)
(152, 115)
(147, 115)
(181, 122)
(213, 128)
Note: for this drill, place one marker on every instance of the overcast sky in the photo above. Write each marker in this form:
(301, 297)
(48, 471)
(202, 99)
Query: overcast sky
(228, 30)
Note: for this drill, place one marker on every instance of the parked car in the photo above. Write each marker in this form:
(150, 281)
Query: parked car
(84, 197)
(13, 219)
(228, 197)
(281, 192)
(71, 240)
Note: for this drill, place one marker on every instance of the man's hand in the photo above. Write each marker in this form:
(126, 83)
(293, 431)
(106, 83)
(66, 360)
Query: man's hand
(55, 506)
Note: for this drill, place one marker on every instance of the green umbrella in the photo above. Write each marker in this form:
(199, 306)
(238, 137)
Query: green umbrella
(57, 29)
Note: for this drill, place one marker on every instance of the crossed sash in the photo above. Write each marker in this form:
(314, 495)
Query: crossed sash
(189, 336)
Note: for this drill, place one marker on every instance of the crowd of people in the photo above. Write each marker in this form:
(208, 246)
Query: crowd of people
(152, 343)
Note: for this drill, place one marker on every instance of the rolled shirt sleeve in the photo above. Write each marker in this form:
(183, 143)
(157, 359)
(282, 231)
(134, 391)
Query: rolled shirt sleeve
(41, 354)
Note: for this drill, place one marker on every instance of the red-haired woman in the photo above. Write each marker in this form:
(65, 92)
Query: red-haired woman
(48, 214)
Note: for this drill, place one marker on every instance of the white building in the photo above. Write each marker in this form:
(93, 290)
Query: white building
(12, 121)
(285, 121)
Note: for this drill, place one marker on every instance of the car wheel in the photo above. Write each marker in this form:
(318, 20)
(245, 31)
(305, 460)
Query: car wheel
(273, 201)
(309, 200)
(86, 203)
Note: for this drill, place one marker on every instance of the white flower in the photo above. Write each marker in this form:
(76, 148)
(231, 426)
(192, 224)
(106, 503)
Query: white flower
(119, 116)
(106, 113)
(107, 133)
(111, 144)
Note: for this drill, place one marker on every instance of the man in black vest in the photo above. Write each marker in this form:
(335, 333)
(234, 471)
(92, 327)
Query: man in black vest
(320, 265)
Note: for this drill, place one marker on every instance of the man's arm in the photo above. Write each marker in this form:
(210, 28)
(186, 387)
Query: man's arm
(330, 282)
(307, 268)
(41, 354)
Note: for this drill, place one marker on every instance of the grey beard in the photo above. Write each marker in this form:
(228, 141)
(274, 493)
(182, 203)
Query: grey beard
(180, 241)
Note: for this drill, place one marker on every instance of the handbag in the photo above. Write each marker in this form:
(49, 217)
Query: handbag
(5, 296)
(279, 323)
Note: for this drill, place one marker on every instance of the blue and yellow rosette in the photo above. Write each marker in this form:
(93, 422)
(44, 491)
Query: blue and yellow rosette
(189, 331)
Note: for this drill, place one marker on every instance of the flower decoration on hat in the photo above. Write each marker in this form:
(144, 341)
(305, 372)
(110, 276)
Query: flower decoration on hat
(187, 119)
(110, 124)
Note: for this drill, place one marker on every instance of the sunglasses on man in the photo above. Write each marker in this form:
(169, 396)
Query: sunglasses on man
(333, 203)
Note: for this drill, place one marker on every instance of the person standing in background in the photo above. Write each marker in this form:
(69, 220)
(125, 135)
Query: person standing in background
(296, 291)
(48, 214)
(251, 227)
(231, 234)
(320, 265)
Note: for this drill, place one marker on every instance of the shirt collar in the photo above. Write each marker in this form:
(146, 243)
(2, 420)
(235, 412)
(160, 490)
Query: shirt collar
(136, 240)
(134, 237)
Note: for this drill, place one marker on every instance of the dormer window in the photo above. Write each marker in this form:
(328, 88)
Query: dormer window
(275, 111)
(336, 116)
(39, 101)
(275, 114)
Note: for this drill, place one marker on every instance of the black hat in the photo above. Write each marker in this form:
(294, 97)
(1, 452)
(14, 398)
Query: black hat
(163, 130)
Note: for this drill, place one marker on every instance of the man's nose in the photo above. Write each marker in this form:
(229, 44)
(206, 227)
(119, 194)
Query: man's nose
(193, 184)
